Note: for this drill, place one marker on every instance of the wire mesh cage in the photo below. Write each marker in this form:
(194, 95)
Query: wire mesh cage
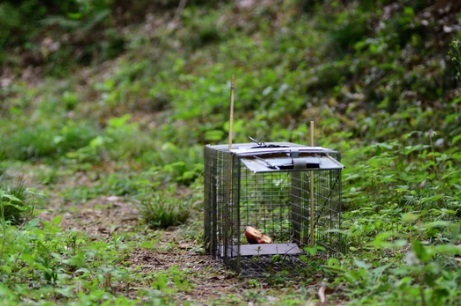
(272, 188)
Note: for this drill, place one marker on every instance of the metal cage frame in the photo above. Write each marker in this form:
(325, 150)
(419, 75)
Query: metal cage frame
(267, 186)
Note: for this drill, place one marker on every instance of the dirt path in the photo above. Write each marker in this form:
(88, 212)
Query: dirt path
(103, 217)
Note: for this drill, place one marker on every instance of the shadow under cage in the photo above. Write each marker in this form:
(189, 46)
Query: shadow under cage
(268, 187)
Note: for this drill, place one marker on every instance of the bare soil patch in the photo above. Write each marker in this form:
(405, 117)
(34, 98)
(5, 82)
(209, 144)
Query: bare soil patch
(102, 217)
(206, 276)
(99, 217)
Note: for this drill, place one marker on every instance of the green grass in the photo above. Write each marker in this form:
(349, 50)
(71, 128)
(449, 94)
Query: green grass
(16, 201)
(162, 210)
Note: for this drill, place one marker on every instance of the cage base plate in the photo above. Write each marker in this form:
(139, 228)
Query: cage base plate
(263, 249)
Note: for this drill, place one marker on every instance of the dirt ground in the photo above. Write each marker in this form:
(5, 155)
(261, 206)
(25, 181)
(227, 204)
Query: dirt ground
(102, 217)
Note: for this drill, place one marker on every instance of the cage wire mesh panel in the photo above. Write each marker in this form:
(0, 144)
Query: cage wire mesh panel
(268, 187)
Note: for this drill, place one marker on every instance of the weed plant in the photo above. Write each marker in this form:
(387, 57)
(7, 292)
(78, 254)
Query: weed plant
(16, 201)
(161, 210)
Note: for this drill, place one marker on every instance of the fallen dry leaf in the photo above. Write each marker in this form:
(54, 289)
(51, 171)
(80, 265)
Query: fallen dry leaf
(322, 293)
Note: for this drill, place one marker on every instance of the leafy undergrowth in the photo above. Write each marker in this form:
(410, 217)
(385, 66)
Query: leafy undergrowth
(109, 204)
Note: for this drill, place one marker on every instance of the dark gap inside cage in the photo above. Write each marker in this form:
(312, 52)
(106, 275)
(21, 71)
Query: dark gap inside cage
(271, 191)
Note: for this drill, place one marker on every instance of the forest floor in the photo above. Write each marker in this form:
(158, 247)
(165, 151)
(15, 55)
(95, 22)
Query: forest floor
(100, 218)
(106, 137)
(176, 250)
(208, 281)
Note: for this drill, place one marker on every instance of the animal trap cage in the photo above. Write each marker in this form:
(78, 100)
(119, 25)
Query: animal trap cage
(268, 187)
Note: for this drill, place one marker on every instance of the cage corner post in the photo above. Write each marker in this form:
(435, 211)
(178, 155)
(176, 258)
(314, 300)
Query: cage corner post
(296, 204)
(211, 200)
(207, 207)
(235, 201)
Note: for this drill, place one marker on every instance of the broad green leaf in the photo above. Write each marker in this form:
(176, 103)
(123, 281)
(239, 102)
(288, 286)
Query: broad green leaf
(420, 251)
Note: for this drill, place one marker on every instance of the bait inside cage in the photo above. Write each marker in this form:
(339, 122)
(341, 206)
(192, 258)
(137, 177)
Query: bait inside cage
(271, 187)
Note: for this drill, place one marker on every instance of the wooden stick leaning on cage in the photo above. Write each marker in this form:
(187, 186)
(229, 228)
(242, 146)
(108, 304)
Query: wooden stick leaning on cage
(228, 181)
(312, 215)
(231, 116)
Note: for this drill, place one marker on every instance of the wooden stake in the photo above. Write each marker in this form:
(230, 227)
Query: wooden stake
(228, 182)
(231, 117)
(312, 215)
